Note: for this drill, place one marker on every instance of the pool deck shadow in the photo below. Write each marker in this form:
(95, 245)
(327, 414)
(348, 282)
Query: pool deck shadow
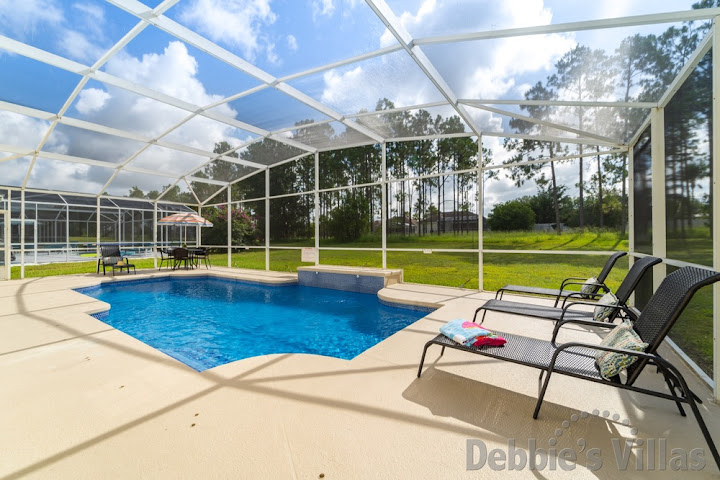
(85, 401)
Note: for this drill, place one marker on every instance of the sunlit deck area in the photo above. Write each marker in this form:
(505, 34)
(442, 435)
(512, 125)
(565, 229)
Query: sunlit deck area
(89, 401)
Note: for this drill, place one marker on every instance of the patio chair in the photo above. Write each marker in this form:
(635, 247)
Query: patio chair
(577, 359)
(180, 256)
(166, 256)
(201, 254)
(566, 312)
(597, 286)
(110, 256)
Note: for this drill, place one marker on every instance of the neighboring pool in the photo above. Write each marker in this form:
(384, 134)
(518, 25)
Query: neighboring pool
(206, 322)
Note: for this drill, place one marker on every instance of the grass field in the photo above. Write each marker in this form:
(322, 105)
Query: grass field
(693, 332)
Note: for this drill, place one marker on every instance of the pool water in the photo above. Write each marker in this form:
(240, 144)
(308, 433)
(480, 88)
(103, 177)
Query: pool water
(206, 322)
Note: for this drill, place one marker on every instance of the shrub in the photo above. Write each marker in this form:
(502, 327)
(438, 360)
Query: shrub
(349, 221)
(244, 230)
(511, 215)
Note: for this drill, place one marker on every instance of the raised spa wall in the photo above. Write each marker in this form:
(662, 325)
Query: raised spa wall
(357, 279)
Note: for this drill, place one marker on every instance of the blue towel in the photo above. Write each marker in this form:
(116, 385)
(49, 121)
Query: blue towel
(462, 331)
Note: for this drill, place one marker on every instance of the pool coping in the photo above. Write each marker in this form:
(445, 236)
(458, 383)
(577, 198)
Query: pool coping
(103, 307)
(393, 293)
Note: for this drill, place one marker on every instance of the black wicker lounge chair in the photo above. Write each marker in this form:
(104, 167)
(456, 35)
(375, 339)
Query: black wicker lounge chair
(578, 359)
(598, 286)
(110, 256)
(628, 285)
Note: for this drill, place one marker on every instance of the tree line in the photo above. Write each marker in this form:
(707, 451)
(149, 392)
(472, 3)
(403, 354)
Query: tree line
(640, 69)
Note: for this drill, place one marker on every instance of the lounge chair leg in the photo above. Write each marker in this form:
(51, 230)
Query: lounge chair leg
(673, 392)
(540, 379)
(541, 395)
(422, 359)
(701, 423)
(442, 351)
(690, 397)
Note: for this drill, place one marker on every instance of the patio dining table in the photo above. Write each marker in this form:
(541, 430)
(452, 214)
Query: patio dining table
(192, 258)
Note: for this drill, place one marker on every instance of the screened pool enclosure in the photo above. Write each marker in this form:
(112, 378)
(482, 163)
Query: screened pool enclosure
(460, 141)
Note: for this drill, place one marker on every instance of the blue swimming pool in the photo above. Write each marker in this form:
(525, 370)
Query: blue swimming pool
(206, 322)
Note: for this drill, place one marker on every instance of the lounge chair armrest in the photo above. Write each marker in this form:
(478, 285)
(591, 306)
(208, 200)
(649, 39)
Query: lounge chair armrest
(661, 362)
(581, 279)
(594, 284)
(567, 306)
(579, 295)
(593, 304)
(578, 321)
(597, 346)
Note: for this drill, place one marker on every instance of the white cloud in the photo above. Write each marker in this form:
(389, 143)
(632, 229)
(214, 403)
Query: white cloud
(338, 86)
(174, 72)
(395, 77)
(94, 12)
(236, 23)
(203, 133)
(72, 177)
(124, 181)
(80, 47)
(482, 69)
(94, 17)
(13, 171)
(23, 18)
(271, 55)
(292, 43)
(424, 15)
(510, 58)
(21, 131)
(171, 72)
(322, 8)
(91, 100)
(78, 33)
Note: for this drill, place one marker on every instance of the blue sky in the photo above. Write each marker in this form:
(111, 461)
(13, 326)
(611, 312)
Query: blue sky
(281, 37)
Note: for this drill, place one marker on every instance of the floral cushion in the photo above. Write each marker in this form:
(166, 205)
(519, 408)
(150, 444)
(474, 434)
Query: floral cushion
(589, 286)
(611, 363)
(605, 307)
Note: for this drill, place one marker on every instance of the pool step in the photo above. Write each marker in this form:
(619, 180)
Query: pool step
(354, 279)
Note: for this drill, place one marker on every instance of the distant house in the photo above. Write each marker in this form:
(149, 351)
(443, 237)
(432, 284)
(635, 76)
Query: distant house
(402, 226)
(452, 222)
(548, 227)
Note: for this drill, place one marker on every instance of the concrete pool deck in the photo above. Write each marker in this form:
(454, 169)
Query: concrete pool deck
(83, 400)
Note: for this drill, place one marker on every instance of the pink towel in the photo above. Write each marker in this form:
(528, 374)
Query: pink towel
(491, 340)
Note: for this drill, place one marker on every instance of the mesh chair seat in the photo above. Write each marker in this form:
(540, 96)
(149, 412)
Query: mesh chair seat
(537, 311)
(532, 352)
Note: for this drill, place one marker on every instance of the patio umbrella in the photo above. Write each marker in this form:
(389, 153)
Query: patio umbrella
(186, 219)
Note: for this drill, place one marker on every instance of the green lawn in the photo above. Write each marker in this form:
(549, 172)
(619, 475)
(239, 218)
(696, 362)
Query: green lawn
(574, 240)
(693, 332)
